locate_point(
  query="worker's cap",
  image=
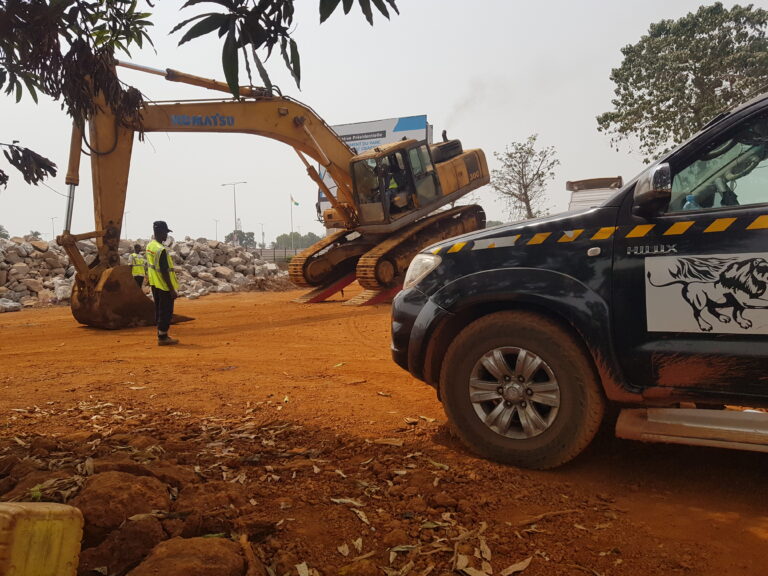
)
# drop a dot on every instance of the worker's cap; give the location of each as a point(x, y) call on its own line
point(161, 226)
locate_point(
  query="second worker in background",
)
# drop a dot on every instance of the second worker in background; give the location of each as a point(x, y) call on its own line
point(162, 279)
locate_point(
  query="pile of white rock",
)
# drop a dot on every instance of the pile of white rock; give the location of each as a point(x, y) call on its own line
point(34, 272)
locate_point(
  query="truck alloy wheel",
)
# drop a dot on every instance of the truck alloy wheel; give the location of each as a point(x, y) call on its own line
point(514, 392)
point(520, 389)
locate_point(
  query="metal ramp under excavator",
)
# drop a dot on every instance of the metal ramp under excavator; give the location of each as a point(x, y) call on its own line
point(370, 297)
point(367, 297)
point(735, 429)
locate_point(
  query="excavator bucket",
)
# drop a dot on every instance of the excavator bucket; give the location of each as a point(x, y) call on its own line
point(114, 302)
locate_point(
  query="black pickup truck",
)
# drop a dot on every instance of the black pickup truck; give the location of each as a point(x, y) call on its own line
point(654, 302)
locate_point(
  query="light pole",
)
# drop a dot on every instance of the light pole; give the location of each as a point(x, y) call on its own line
point(234, 202)
point(53, 229)
point(125, 224)
point(217, 228)
point(263, 244)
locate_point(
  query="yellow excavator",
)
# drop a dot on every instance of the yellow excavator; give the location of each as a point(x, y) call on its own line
point(383, 211)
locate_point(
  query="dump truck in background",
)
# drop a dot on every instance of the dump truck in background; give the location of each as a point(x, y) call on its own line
point(592, 192)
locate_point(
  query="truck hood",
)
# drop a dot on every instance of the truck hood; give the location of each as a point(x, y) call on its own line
point(579, 219)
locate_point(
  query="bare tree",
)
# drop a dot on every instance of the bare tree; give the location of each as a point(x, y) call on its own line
point(521, 180)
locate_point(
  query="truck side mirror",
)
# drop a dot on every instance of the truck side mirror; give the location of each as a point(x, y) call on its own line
point(653, 191)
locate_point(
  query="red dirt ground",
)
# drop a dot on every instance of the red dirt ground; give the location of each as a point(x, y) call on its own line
point(337, 460)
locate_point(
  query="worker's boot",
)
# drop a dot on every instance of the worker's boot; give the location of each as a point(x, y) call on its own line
point(167, 341)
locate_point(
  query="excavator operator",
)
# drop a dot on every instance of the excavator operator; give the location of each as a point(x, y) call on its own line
point(397, 184)
point(162, 279)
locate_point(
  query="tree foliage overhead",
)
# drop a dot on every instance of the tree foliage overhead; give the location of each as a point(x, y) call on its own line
point(684, 72)
point(521, 180)
point(50, 47)
point(249, 26)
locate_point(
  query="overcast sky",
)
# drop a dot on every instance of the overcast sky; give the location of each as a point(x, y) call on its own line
point(490, 72)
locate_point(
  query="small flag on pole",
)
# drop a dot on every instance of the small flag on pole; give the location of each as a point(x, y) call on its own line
point(294, 201)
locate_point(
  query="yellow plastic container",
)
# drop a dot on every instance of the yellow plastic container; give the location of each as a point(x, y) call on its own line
point(39, 539)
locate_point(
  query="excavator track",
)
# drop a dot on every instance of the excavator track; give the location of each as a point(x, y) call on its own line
point(329, 259)
point(388, 261)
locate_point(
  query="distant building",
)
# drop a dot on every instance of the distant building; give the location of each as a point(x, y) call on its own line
point(592, 192)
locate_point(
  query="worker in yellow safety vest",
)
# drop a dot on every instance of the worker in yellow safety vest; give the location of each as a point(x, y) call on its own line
point(162, 280)
point(138, 265)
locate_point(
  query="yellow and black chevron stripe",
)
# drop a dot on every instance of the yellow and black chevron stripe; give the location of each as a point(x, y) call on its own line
point(667, 231)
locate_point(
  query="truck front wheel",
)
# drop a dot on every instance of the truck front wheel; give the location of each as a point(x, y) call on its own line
point(517, 388)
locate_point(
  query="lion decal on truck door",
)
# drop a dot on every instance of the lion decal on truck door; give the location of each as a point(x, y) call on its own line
point(718, 289)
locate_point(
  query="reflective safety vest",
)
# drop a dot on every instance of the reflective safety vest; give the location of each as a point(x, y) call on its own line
point(154, 253)
point(138, 264)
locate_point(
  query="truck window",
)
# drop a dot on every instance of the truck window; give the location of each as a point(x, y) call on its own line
point(732, 171)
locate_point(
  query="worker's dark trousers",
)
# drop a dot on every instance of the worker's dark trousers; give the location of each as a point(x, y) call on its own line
point(163, 310)
point(139, 280)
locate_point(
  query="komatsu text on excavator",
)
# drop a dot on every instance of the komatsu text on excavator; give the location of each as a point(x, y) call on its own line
point(383, 211)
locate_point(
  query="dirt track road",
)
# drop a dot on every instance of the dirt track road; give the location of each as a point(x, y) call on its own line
point(622, 508)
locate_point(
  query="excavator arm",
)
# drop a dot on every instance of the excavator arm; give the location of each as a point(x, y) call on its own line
point(104, 294)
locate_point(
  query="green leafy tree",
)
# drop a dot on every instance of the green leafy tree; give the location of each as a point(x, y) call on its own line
point(521, 180)
point(283, 241)
point(50, 47)
point(684, 72)
point(35, 235)
point(245, 239)
point(4, 232)
point(492, 223)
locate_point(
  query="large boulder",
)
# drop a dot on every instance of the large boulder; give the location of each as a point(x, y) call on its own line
point(7, 305)
point(194, 557)
point(110, 498)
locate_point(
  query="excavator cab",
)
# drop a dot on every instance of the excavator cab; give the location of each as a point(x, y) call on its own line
point(392, 181)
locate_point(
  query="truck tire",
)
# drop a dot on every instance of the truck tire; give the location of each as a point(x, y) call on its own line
point(519, 389)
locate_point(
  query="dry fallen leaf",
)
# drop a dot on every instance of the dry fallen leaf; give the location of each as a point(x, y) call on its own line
point(360, 514)
point(343, 549)
point(350, 501)
point(516, 568)
point(462, 561)
point(389, 441)
point(469, 571)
